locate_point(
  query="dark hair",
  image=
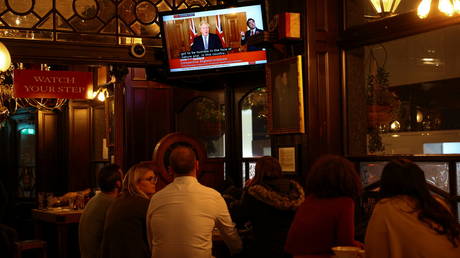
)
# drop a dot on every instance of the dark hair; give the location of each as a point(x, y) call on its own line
point(250, 19)
point(266, 168)
point(182, 159)
point(333, 176)
point(403, 177)
point(108, 177)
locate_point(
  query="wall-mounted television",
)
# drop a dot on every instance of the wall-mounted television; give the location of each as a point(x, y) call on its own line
point(213, 38)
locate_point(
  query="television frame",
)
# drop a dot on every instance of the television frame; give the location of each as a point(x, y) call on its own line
point(211, 71)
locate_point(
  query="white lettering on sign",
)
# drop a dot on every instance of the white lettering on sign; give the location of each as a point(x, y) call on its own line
point(58, 89)
point(55, 79)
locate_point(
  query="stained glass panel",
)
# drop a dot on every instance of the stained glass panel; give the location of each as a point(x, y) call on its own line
point(117, 18)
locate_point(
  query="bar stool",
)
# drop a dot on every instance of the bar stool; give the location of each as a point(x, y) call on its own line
point(29, 245)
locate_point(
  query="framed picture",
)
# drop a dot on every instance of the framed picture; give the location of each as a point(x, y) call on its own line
point(285, 96)
point(287, 156)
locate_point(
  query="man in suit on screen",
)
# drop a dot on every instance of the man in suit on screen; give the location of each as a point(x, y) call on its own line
point(206, 41)
point(253, 30)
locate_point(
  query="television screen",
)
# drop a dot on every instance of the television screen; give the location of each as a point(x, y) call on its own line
point(208, 39)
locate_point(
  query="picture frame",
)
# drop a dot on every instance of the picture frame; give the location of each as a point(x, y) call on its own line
point(287, 157)
point(285, 96)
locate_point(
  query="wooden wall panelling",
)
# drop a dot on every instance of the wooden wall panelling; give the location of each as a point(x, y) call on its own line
point(8, 165)
point(149, 117)
point(79, 145)
point(50, 158)
point(323, 91)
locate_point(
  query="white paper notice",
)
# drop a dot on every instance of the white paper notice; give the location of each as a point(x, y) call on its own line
point(287, 159)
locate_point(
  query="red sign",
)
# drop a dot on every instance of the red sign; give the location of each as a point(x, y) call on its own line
point(52, 84)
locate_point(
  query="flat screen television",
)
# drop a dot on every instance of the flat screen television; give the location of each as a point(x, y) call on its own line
point(214, 38)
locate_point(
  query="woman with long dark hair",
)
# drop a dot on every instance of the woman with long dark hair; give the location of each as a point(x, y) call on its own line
point(408, 222)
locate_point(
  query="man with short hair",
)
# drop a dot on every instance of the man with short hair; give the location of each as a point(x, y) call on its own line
point(181, 217)
point(92, 219)
point(253, 30)
point(206, 41)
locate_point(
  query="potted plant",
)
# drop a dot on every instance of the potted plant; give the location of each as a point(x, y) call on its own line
point(382, 105)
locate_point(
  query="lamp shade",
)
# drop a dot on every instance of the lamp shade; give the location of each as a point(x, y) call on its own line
point(5, 58)
point(385, 6)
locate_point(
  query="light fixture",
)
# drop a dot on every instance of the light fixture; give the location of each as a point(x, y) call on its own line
point(385, 7)
point(446, 7)
point(101, 94)
point(5, 58)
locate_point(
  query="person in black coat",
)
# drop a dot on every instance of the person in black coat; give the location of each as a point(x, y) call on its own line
point(268, 203)
point(206, 41)
point(253, 30)
point(125, 231)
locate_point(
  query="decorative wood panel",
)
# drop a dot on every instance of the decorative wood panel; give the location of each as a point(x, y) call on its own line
point(50, 173)
point(79, 146)
point(149, 117)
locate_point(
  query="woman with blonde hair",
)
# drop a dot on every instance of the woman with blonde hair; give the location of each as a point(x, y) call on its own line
point(125, 232)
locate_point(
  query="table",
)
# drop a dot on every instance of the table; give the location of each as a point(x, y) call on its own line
point(61, 218)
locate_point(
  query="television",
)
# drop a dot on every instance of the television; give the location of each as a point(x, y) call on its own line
point(213, 38)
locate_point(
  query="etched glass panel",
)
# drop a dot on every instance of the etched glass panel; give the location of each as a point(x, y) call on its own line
point(64, 8)
point(458, 178)
point(42, 7)
point(252, 169)
point(371, 171)
point(20, 21)
point(146, 12)
point(118, 18)
point(86, 9)
point(436, 173)
point(21, 6)
point(26, 34)
point(76, 37)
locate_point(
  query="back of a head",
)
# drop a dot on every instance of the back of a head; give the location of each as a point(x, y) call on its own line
point(108, 177)
point(333, 176)
point(266, 168)
point(403, 177)
point(182, 160)
point(134, 175)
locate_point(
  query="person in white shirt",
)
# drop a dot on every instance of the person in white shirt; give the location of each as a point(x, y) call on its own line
point(181, 217)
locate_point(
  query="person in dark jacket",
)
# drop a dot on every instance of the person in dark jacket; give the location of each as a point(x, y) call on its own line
point(269, 204)
point(125, 231)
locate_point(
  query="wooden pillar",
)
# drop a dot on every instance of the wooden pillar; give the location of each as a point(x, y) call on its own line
point(322, 80)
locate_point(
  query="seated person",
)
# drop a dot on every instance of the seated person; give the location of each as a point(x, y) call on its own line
point(326, 218)
point(92, 219)
point(407, 222)
point(269, 203)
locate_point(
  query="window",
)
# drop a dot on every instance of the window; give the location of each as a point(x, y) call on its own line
point(255, 140)
point(409, 89)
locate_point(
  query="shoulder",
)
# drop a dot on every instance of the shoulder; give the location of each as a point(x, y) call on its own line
point(397, 203)
point(208, 190)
